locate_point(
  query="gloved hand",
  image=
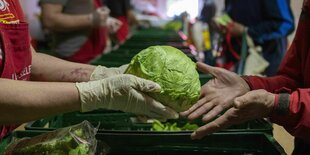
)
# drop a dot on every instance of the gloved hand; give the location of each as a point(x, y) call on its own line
point(113, 24)
point(253, 105)
point(102, 72)
point(218, 94)
point(100, 16)
point(125, 93)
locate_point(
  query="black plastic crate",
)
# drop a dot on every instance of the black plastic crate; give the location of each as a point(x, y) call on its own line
point(245, 143)
point(120, 122)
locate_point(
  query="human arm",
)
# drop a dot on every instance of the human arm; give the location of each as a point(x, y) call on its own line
point(54, 19)
point(49, 68)
point(23, 101)
point(290, 111)
point(218, 94)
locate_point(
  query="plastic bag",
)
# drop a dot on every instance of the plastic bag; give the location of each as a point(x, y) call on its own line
point(255, 63)
point(74, 140)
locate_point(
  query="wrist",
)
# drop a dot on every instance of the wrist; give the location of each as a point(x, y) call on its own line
point(94, 18)
point(98, 73)
point(281, 104)
point(89, 98)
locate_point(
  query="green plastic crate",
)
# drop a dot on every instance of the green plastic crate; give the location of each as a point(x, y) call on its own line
point(246, 143)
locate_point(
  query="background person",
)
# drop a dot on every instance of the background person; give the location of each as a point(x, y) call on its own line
point(284, 98)
point(78, 28)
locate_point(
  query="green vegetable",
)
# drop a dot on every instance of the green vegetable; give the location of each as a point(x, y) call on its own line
point(158, 126)
point(173, 71)
point(61, 146)
point(74, 140)
point(224, 20)
point(173, 25)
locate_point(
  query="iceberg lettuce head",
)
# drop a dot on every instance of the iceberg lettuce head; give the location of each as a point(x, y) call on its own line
point(174, 71)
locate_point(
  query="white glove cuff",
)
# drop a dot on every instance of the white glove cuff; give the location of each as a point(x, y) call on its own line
point(87, 98)
point(99, 73)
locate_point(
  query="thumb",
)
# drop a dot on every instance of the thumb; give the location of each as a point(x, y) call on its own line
point(241, 102)
point(208, 69)
point(146, 85)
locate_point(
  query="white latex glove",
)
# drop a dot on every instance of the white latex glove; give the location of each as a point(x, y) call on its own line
point(113, 24)
point(125, 93)
point(102, 72)
point(100, 16)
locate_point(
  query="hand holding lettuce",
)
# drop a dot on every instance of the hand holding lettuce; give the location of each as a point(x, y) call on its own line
point(173, 71)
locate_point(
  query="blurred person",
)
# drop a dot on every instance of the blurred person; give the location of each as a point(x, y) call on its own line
point(268, 23)
point(78, 28)
point(36, 85)
point(284, 98)
point(208, 11)
point(121, 10)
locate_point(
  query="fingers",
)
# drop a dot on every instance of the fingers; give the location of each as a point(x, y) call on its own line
point(123, 68)
point(145, 85)
point(165, 112)
point(153, 108)
point(214, 126)
point(208, 69)
point(194, 107)
point(244, 100)
point(113, 24)
point(213, 113)
point(204, 109)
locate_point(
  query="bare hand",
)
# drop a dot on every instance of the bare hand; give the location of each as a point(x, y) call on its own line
point(218, 94)
point(253, 105)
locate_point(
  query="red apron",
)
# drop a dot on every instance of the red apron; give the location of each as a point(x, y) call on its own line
point(94, 46)
point(17, 58)
point(122, 32)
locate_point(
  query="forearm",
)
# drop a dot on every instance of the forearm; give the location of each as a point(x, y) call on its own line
point(23, 101)
point(62, 22)
point(273, 84)
point(48, 68)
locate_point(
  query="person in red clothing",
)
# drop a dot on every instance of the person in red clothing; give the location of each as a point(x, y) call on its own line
point(77, 28)
point(122, 11)
point(284, 98)
point(35, 85)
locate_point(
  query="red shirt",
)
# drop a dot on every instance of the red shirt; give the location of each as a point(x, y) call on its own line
point(294, 78)
point(10, 13)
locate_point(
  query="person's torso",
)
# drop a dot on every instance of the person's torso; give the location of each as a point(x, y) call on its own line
point(251, 13)
point(66, 44)
point(247, 12)
point(15, 43)
point(15, 48)
point(302, 41)
point(117, 7)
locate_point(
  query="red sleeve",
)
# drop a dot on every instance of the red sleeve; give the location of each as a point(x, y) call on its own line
point(293, 79)
point(296, 121)
point(288, 77)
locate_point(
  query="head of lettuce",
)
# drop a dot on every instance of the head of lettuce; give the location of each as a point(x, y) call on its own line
point(173, 71)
